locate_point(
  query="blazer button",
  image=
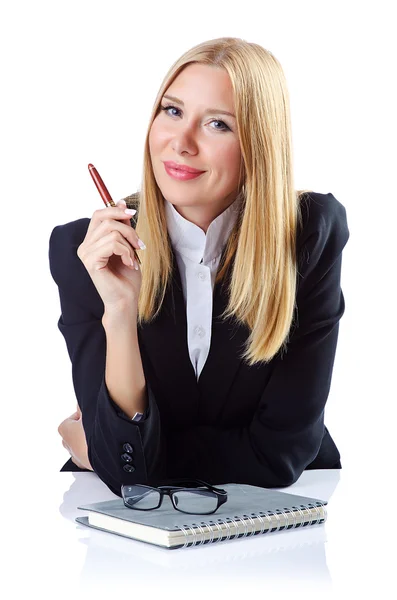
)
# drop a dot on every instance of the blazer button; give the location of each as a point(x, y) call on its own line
point(129, 468)
point(128, 448)
point(126, 458)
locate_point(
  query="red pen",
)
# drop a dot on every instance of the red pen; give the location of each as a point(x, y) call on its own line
point(103, 191)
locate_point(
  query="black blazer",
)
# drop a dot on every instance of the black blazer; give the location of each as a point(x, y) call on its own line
point(260, 425)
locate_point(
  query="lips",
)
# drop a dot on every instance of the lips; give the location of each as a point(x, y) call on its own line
point(179, 167)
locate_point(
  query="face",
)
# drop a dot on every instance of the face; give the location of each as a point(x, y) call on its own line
point(192, 131)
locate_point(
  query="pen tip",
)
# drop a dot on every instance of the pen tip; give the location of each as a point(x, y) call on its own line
point(90, 166)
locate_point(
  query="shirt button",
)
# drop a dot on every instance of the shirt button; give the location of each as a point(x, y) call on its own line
point(202, 276)
point(128, 448)
point(200, 331)
point(126, 457)
point(129, 468)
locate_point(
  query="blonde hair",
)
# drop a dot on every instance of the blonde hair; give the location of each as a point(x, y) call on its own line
point(263, 280)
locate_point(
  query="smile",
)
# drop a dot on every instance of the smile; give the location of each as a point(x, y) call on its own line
point(181, 175)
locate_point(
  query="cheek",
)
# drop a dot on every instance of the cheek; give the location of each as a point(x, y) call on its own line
point(157, 137)
point(229, 160)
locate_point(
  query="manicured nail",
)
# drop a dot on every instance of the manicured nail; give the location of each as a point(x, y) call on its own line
point(130, 211)
point(141, 244)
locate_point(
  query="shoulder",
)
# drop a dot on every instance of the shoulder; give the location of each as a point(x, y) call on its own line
point(324, 222)
point(71, 234)
point(64, 242)
point(67, 270)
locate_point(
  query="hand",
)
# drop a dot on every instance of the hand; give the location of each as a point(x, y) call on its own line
point(107, 251)
point(74, 440)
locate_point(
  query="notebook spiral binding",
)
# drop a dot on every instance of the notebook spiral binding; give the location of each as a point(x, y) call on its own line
point(289, 522)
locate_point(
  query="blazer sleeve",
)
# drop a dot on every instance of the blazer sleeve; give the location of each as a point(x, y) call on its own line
point(287, 429)
point(120, 451)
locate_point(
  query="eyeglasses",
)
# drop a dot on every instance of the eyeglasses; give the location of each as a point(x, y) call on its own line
point(192, 496)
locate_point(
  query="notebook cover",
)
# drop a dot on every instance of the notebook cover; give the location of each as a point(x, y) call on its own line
point(243, 500)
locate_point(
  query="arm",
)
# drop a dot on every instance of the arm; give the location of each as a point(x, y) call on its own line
point(81, 325)
point(124, 380)
point(287, 428)
point(124, 376)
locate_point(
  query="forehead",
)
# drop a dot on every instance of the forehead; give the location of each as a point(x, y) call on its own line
point(203, 84)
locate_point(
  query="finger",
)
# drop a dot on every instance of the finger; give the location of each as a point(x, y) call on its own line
point(113, 237)
point(110, 212)
point(77, 462)
point(98, 258)
point(62, 427)
point(108, 226)
point(101, 251)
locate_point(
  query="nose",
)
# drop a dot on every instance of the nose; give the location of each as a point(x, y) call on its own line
point(184, 140)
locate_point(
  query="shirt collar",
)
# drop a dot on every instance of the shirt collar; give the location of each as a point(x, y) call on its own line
point(189, 239)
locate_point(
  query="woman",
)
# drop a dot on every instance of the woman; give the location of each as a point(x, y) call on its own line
point(214, 359)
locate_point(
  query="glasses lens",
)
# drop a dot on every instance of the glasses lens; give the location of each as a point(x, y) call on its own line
point(141, 498)
point(198, 502)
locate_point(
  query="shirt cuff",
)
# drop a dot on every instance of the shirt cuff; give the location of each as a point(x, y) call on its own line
point(137, 418)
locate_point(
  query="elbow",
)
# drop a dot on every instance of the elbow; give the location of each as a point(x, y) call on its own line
point(288, 479)
point(284, 473)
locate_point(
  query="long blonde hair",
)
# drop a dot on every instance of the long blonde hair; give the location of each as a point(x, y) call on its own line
point(263, 280)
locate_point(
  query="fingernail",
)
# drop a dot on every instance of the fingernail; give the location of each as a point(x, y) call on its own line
point(123, 202)
point(141, 244)
point(130, 211)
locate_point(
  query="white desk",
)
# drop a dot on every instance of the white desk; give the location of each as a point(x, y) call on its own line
point(53, 555)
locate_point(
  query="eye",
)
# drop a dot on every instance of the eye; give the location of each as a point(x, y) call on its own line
point(169, 107)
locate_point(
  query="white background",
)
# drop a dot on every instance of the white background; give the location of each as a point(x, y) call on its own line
point(78, 82)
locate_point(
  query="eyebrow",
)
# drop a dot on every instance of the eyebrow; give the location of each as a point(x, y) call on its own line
point(209, 110)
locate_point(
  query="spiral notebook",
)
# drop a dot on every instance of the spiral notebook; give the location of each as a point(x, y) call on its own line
point(249, 510)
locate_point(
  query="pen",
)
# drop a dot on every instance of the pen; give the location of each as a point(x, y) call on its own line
point(103, 191)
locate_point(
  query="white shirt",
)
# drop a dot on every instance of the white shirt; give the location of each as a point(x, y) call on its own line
point(198, 255)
